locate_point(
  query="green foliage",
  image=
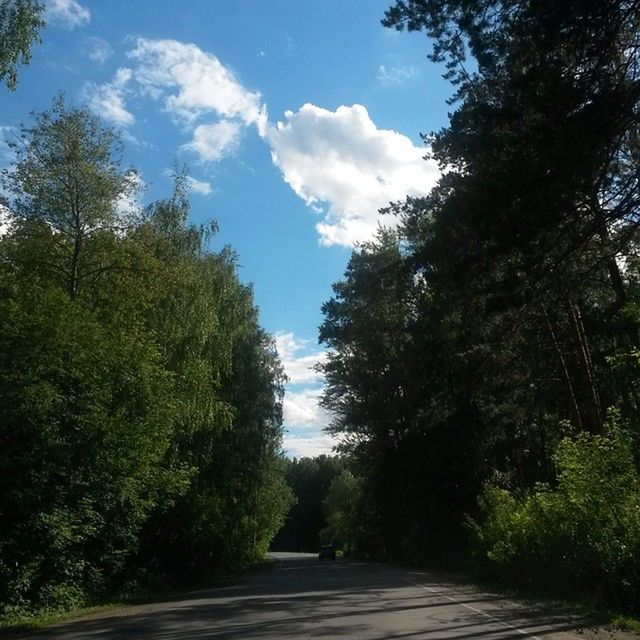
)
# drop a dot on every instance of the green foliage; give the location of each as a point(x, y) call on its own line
point(84, 429)
point(400, 397)
point(582, 535)
point(228, 389)
point(502, 314)
point(140, 401)
point(20, 24)
point(67, 186)
point(310, 480)
point(341, 508)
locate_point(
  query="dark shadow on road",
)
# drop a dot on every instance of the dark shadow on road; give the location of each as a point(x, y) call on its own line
point(300, 597)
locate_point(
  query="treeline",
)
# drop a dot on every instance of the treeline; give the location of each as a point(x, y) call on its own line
point(310, 480)
point(140, 401)
point(325, 496)
point(485, 357)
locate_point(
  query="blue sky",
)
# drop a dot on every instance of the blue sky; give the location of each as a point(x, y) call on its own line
point(298, 119)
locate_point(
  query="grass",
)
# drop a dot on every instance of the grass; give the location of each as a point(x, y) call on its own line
point(27, 622)
point(625, 623)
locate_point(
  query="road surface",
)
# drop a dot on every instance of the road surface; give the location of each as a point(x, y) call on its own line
point(300, 597)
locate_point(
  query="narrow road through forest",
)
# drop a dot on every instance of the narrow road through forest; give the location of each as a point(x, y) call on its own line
point(300, 597)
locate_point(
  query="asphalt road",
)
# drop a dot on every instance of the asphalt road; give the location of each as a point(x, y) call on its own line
point(300, 597)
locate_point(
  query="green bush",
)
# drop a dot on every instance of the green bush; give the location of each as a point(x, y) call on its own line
point(581, 536)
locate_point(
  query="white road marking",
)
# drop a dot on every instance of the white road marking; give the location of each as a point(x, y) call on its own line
point(474, 609)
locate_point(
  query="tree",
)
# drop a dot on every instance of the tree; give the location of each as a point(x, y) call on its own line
point(227, 395)
point(85, 422)
point(544, 142)
point(580, 535)
point(67, 186)
point(404, 398)
point(539, 207)
point(140, 426)
point(502, 310)
point(341, 511)
point(310, 480)
point(20, 24)
point(85, 419)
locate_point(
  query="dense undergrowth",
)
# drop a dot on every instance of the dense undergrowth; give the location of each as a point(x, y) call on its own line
point(579, 536)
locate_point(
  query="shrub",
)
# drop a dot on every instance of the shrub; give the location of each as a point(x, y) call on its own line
point(581, 537)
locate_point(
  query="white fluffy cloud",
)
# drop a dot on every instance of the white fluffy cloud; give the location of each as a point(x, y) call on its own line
point(212, 142)
point(193, 86)
point(304, 418)
point(308, 446)
point(69, 13)
point(298, 367)
point(302, 409)
point(193, 82)
point(97, 49)
point(199, 186)
point(341, 164)
point(107, 100)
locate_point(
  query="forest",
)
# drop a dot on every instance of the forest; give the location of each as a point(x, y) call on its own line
point(483, 361)
point(140, 401)
point(484, 355)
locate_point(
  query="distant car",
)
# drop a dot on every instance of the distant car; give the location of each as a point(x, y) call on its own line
point(327, 553)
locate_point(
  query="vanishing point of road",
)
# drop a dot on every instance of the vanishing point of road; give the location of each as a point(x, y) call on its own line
point(300, 597)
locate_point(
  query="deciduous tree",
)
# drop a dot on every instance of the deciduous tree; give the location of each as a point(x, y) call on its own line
point(20, 24)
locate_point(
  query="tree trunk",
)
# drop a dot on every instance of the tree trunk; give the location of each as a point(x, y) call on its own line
point(565, 370)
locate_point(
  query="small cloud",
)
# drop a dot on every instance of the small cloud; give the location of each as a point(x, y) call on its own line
point(107, 100)
point(5, 220)
point(388, 76)
point(97, 49)
point(201, 82)
point(302, 409)
point(129, 138)
point(212, 142)
point(308, 446)
point(300, 369)
point(199, 186)
point(68, 13)
point(194, 85)
point(346, 169)
point(59, 67)
point(128, 205)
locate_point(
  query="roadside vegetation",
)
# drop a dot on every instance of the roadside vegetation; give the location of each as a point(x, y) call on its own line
point(484, 353)
point(140, 401)
point(310, 480)
point(324, 512)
